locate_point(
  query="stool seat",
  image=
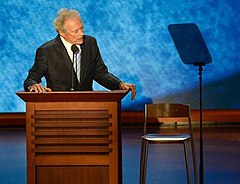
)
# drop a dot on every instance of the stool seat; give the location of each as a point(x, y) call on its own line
point(166, 138)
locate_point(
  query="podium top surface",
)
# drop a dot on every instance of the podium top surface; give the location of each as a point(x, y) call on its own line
point(76, 96)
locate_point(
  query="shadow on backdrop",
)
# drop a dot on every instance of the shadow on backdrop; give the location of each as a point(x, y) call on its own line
point(214, 94)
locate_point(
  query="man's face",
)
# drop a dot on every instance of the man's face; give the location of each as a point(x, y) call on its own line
point(74, 31)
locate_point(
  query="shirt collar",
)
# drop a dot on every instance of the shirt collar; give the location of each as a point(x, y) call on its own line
point(67, 44)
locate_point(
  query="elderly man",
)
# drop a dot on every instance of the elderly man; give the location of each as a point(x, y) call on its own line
point(71, 61)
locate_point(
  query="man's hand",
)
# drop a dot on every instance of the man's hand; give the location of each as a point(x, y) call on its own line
point(131, 87)
point(39, 88)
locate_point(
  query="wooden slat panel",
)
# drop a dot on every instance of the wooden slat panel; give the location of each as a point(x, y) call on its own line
point(50, 124)
point(71, 133)
point(82, 111)
point(70, 116)
point(92, 149)
point(54, 141)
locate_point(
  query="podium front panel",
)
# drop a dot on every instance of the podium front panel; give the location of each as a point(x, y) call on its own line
point(73, 142)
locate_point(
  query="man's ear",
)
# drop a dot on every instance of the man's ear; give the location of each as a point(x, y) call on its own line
point(62, 34)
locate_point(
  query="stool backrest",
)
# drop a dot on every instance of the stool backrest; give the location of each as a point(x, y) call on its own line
point(166, 110)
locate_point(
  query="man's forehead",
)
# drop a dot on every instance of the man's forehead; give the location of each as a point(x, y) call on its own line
point(73, 23)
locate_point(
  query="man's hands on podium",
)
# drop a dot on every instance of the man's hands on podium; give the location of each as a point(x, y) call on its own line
point(131, 87)
point(39, 88)
point(124, 86)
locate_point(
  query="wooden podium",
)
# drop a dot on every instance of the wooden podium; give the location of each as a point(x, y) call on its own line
point(73, 137)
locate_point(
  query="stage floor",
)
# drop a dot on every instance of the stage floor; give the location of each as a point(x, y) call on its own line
point(165, 164)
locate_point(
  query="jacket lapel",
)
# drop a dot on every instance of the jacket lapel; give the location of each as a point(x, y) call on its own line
point(66, 61)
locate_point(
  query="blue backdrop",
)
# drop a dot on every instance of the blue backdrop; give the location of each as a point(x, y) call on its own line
point(135, 44)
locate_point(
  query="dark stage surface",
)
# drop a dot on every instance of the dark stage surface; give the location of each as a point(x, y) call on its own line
point(166, 164)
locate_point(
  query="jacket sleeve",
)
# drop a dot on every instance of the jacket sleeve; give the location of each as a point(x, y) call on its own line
point(102, 75)
point(38, 69)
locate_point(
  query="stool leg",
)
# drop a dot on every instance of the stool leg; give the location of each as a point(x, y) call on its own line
point(143, 161)
point(186, 162)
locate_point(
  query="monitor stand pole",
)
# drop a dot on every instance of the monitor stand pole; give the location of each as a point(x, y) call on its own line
point(201, 166)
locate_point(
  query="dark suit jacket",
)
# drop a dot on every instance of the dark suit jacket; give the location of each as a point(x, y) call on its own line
point(52, 62)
